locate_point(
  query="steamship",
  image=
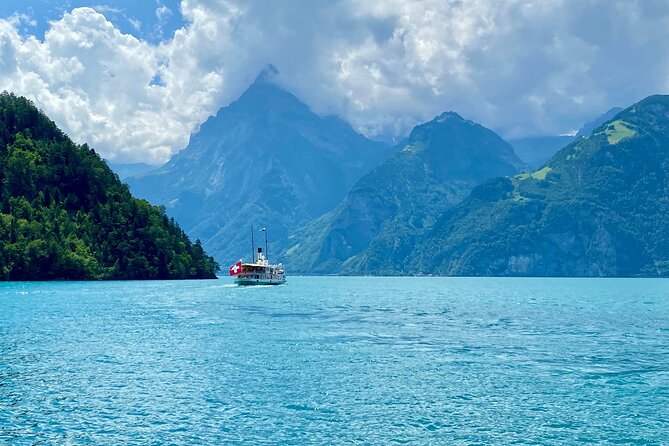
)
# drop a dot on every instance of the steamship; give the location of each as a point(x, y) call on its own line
point(259, 271)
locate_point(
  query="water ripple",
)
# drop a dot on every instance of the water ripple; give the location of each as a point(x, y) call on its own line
point(336, 361)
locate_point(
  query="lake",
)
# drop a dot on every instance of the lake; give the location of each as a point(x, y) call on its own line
point(336, 360)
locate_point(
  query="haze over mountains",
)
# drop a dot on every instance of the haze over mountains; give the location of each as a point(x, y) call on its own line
point(267, 160)
point(127, 170)
point(537, 150)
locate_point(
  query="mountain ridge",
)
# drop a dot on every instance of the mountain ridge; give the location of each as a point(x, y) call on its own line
point(387, 209)
point(598, 207)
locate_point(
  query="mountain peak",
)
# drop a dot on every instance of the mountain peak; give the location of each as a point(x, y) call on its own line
point(268, 75)
point(265, 158)
point(265, 95)
point(375, 226)
point(440, 123)
point(655, 104)
point(445, 116)
point(461, 149)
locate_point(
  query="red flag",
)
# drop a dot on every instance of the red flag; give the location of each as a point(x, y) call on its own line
point(236, 268)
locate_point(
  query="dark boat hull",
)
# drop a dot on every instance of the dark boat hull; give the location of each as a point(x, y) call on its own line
point(245, 281)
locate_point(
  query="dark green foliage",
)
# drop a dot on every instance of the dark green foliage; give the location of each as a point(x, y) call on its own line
point(65, 215)
point(599, 207)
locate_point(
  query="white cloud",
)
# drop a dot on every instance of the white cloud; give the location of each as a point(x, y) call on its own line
point(95, 82)
point(518, 66)
point(163, 12)
point(135, 23)
point(107, 9)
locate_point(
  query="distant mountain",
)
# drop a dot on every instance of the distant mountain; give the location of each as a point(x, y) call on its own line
point(127, 170)
point(375, 227)
point(64, 215)
point(599, 207)
point(264, 159)
point(537, 150)
point(590, 126)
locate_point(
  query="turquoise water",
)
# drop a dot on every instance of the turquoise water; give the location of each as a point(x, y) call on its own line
point(336, 360)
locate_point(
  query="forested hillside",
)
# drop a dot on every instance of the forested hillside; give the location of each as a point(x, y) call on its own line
point(599, 207)
point(65, 215)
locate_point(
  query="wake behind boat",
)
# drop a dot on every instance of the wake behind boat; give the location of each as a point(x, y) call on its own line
point(259, 271)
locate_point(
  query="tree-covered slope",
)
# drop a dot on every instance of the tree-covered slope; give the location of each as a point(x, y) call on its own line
point(265, 159)
point(599, 207)
point(65, 215)
point(375, 227)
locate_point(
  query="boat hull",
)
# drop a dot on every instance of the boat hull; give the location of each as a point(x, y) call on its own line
point(246, 281)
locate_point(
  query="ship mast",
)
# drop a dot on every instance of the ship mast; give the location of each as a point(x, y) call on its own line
point(265, 231)
point(253, 247)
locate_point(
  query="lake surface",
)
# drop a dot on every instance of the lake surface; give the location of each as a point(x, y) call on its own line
point(336, 360)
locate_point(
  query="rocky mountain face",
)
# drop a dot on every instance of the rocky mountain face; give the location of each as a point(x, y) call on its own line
point(599, 207)
point(267, 160)
point(375, 227)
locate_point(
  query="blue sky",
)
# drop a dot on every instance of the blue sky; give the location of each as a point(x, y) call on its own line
point(134, 79)
point(136, 17)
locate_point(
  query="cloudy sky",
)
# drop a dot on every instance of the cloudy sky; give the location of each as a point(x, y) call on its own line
point(134, 78)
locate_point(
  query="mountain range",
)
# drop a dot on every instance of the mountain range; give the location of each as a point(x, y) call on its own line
point(451, 199)
point(376, 225)
point(266, 159)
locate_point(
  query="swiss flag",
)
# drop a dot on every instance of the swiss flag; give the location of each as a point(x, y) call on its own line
point(236, 268)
